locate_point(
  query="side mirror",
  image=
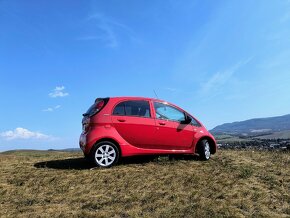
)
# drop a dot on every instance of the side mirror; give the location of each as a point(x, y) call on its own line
point(187, 120)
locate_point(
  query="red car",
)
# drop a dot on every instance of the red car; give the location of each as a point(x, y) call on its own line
point(128, 126)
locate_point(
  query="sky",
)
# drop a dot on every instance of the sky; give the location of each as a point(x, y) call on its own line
point(222, 61)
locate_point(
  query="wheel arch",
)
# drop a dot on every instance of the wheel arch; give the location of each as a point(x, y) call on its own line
point(107, 140)
point(212, 144)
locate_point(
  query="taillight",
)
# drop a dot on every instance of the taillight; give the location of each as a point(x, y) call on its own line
point(86, 124)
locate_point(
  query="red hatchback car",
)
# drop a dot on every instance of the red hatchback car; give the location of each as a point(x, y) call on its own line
point(128, 126)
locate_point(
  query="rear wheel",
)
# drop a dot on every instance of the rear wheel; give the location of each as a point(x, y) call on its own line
point(105, 154)
point(204, 150)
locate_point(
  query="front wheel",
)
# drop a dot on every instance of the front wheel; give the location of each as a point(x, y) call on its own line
point(204, 150)
point(105, 154)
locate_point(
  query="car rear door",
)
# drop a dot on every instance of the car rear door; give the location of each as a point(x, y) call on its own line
point(133, 121)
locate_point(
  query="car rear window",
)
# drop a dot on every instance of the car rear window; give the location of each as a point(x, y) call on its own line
point(96, 107)
point(133, 108)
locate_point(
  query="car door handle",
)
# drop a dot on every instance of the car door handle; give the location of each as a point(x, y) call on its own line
point(121, 120)
point(162, 123)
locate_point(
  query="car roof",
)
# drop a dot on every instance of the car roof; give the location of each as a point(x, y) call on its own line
point(148, 99)
point(135, 98)
point(144, 98)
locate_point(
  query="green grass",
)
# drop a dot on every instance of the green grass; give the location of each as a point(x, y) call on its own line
point(62, 184)
point(276, 135)
point(230, 138)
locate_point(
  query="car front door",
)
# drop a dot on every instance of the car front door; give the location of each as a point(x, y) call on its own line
point(134, 123)
point(170, 132)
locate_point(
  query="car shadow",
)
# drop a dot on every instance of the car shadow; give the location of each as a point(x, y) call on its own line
point(138, 160)
point(83, 164)
point(65, 164)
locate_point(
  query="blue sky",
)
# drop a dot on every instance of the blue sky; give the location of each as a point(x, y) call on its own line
point(222, 61)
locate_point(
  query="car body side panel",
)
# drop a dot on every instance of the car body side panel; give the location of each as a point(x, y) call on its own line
point(105, 132)
point(173, 135)
point(137, 131)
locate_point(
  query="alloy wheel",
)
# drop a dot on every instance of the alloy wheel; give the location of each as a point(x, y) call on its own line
point(207, 150)
point(105, 155)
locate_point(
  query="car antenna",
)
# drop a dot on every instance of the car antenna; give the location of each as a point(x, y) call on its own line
point(155, 94)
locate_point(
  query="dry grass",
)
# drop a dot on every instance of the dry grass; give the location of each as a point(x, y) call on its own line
point(60, 184)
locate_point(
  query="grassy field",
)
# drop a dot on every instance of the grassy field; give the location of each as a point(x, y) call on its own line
point(230, 138)
point(62, 184)
point(277, 135)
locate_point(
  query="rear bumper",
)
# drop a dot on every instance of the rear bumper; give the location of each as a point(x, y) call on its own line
point(88, 139)
point(83, 142)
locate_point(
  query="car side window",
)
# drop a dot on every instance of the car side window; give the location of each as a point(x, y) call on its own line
point(120, 109)
point(133, 108)
point(194, 122)
point(167, 112)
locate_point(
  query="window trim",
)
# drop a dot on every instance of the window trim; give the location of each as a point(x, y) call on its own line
point(125, 115)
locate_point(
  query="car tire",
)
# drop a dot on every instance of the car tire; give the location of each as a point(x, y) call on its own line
point(203, 150)
point(105, 154)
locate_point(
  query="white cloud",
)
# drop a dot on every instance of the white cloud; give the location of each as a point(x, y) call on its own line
point(219, 79)
point(109, 29)
point(48, 109)
point(171, 89)
point(21, 133)
point(51, 109)
point(177, 91)
point(109, 33)
point(58, 92)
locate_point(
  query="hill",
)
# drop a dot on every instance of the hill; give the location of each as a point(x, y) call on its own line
point(254, 127)
point(63, 184)
point(275, 135)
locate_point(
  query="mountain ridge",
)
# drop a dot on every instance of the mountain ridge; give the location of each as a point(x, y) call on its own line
point(255, 125)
